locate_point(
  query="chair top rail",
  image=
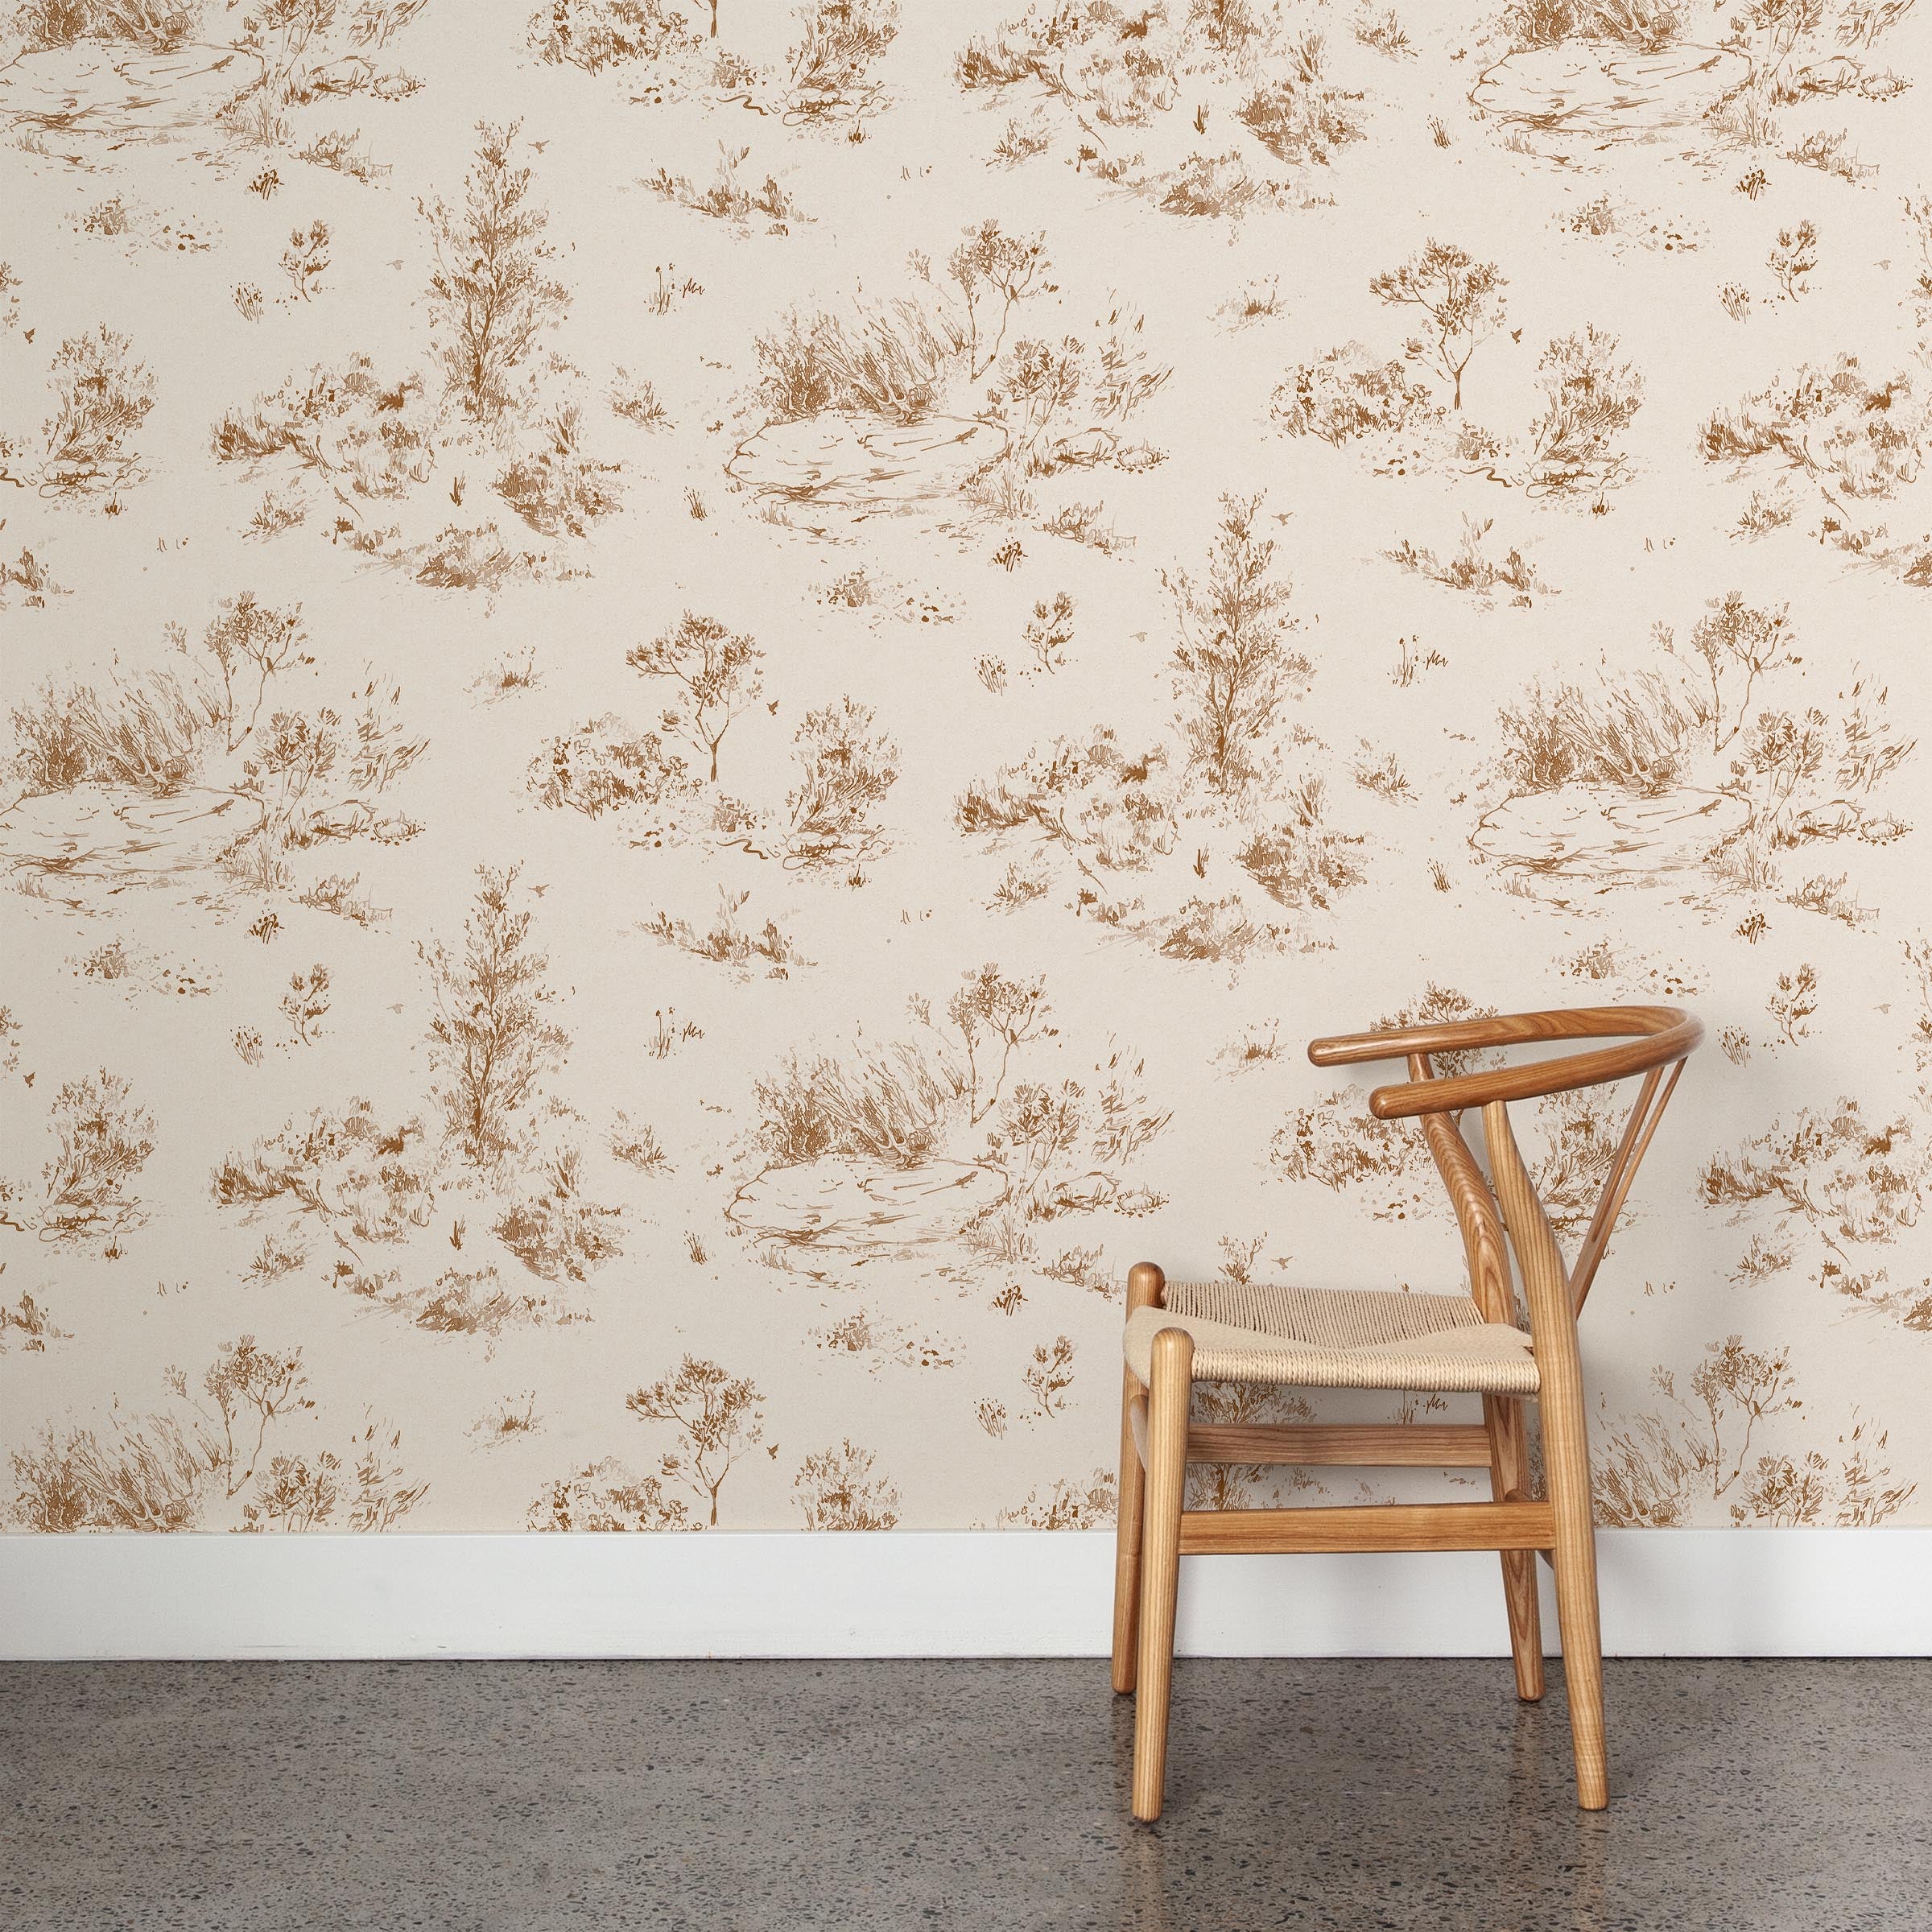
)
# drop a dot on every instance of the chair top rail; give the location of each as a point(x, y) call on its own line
point(1654, 1037)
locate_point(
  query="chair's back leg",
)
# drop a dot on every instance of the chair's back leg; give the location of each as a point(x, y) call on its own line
point(1503, 1416)
point(1144, 1283)
point(1565, 1449)
point(1169, 1393)
point(1509, 1482)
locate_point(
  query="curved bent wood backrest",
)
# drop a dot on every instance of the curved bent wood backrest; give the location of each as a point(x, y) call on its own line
point(1665, 1037)
point(1661, 1034)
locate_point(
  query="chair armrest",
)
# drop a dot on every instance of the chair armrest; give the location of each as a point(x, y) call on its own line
point(1662, 1033)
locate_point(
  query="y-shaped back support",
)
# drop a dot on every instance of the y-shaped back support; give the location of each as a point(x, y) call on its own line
point(1660, 1039)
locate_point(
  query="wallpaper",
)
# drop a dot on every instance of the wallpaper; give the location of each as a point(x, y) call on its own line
point(701, 698)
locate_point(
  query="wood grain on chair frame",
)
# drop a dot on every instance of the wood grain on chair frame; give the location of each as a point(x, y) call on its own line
point(1499, 1215)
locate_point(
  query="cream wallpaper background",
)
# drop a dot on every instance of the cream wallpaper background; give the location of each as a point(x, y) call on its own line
point(703, 698)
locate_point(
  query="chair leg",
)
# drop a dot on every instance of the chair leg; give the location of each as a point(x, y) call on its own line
point(1567, 1471)
point(1145, 1282)
point(1509, 1482)
point(1168, 1396)
point(1127, 1546)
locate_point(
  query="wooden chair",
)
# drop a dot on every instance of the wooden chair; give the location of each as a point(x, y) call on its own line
point(1389, 1338)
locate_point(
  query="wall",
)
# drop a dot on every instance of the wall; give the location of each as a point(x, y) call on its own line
point(699, 723)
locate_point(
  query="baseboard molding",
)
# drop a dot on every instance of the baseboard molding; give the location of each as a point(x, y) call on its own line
point(1665, 1592)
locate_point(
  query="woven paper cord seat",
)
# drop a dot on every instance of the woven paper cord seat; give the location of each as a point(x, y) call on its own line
point(1320, 1338)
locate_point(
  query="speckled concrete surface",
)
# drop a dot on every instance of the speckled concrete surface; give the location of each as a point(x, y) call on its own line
point(843, 1796)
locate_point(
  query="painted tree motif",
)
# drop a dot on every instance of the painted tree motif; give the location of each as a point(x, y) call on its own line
point(491, 1039)
point(717, 670)
point(1462, 298)
point(718, 1418)
point(492, 295)
point(1233, 670)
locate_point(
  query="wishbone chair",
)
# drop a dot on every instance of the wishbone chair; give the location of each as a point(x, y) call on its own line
point(1468, 1344)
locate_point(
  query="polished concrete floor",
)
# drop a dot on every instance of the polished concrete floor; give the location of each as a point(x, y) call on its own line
point(846, 1796)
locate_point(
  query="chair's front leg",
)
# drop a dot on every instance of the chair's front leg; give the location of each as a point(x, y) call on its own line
point(1170, 1392)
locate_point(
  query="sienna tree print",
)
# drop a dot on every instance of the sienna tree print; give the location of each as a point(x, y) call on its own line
point(491, 294)
point(1460, 300)
point(1233, 670)
point(491, 1038)
point(716, 669)
point(718, 1419)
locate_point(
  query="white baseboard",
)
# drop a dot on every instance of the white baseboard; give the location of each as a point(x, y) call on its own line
point(1666, 1593)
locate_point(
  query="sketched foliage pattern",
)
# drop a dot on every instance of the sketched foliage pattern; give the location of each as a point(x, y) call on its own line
point(699, 702)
